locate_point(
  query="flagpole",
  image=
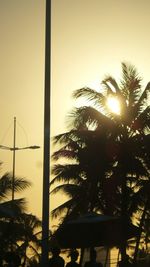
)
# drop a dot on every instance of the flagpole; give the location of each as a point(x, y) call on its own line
point(46, 153)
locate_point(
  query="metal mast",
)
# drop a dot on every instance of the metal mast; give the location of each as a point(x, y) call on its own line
point(46, 155)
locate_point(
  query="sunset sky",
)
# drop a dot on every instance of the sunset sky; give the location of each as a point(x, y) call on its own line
point(90, 38)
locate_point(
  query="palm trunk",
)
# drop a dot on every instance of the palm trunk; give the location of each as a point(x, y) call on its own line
point(25, 258)
point(140, 232)
point(81, 256)
point(118, 257)
point(124, 218)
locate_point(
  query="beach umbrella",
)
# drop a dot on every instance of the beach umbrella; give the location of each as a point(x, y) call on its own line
point(93, 230)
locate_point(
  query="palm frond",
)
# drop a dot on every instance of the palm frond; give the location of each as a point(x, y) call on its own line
point(144, 95)
point(12, 208)
point(131, 82)
point(62, 209)
point(21, 184)
point(84, 117)
point(30, 221)
point(64, 153)
point(5, 185)
point(69, 190)
point(111, 85)
point(63, 138)
point(66, 173)
point(96, 98)
point(142, 122)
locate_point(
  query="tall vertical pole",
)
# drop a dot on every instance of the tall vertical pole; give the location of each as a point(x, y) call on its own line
point(14, 158)
point(46, 155)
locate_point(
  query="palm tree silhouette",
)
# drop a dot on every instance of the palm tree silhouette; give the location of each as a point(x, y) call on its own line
point(30, 238)
point(107, 154)
point(83, 178)
point(18, 230)
point(10, 210)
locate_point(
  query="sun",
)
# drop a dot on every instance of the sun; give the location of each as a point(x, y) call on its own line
point(113, 105)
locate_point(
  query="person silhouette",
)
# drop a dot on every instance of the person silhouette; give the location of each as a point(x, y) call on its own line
point(92, 262)
point(74, 256)
point(56, 260)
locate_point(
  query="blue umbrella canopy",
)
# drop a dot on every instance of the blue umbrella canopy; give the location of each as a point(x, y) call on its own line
point(91, 230)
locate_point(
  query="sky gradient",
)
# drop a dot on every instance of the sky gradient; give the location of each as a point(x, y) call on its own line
point(90, 38)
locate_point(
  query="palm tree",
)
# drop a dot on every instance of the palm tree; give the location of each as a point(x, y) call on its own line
point(18, 230)
point(110, 151)
point(29, 237)
point(20, 184)
point(83, 171)
point(10, 210)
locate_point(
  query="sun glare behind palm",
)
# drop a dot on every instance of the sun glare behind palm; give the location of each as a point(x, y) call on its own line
point(113, 105)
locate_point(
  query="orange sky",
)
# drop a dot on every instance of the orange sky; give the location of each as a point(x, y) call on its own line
point(90, 38)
